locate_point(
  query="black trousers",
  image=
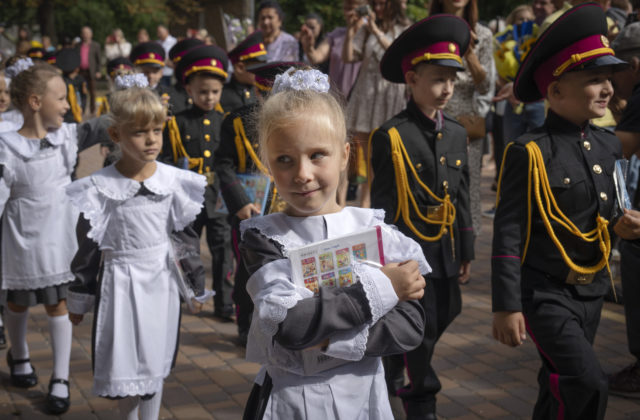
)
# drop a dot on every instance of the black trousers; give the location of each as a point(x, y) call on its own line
point(629, 263)
point(563, 327)
point(244, 304)
point(442, 302)
point(219, 242)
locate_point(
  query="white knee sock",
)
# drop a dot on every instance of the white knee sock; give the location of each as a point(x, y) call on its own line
point(60, 329)
point(17, 330)
point(129, 407)
point(150, 409)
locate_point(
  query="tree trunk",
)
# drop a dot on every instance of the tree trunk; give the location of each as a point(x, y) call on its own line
point(47, 21)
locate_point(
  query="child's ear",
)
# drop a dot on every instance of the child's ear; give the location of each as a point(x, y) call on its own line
point(34, 102)
point(634, 62)
point(187, 87)
point(410, 77)
point(345, 156)
point(114, 134)
point(554, 91)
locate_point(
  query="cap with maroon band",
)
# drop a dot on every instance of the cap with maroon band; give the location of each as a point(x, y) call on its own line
point(251, 48)
point(148, 54)
point(118, 63)
point(576, 41)
point(182, 47)
point(266, 73)
point(439, 39)
point(203, 59)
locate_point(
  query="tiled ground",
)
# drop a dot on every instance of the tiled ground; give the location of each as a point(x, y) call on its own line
point(481, 378)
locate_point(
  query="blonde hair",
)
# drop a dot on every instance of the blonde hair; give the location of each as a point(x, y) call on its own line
point(29, 82)
point(515, 12)
point(287, 108)
point(136, 106)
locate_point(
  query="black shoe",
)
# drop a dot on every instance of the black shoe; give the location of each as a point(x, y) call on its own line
point(18, 380)
point(57, 405)
point(225, 314)
point(243, 336)
point(3, 340)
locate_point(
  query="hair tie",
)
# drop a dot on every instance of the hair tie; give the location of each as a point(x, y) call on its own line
point(128, 81)
point(294, 79)
point(18, 67)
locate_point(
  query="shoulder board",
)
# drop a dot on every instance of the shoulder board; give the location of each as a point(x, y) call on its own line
point(603, 129)
point(532, 135)
point(395, 121)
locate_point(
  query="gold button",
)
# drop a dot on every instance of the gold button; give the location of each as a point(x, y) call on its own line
point(439, 136)
point(418, 165)
point(443, 160)
point(189, 101)
point(206, 122)
point(207, 153)
point(207, 169)
point(247, 94)
point(566, 181)
point(207, 137)
point(188, 137)
point(458, 162)
point(603, 195)
point(587, 145)
point(255, 145)
point(445, 183)
point(597, 169)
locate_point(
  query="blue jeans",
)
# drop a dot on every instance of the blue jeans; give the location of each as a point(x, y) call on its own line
point(515, 125)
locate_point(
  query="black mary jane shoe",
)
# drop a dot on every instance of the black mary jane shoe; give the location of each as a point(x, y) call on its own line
point(18, 380)
point(57, 405)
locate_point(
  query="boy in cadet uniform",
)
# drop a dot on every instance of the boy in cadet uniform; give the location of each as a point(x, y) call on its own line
point(240, 89)
point(179, 98)
point(627, 84)
point(68, 61)
point(421, 180)
point(556, 209)
point(148, 58)
point(190, 141)
point(239, 153)
point(119, 66)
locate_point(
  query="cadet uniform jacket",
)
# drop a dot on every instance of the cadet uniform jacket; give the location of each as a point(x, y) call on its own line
point(200, 136)
point(236, 94)
point(440, 158)
point(230, 155)
point(579, 162)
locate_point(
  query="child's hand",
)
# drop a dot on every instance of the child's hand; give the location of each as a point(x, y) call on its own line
point(247, 211)
point(75, 318)
point(628, 226)
point(196, 306)
point(405, 279)
point(508, 328)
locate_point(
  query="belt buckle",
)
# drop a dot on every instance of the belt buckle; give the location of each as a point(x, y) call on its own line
point(578, 278)
point(211, 176)
point(435, 212)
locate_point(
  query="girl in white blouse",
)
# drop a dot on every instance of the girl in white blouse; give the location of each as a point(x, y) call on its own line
point(302, 138)
point(134, 227)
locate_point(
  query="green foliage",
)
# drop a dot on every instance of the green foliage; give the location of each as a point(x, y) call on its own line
point(491, 9)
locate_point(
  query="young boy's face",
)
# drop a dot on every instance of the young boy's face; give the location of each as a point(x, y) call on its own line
point(204, 90)
point(153, 75)
point(431, 86)
point(581, 95)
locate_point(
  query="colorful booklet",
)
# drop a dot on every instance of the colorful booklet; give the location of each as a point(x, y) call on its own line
point(257, 188)
point(329, 263)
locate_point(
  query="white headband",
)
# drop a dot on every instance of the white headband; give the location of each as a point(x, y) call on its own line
point(131, 80)
point(18, 67)
point(293, 79)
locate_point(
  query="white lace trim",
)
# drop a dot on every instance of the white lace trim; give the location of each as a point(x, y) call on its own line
point(188, 199)
point(21, 283)
point(368, 284)
point(84, 195)
point(79, 303)
point(127, 387)
point(349, 345)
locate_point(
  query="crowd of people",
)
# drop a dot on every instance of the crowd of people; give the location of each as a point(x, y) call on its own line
point(263, 144)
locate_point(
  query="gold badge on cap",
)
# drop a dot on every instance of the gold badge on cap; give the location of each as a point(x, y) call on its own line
point(452, 47)
point(214, 63)
point(605, 40)
point(152, 56)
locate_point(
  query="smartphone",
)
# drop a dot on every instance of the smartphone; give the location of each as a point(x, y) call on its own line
point(363, 10)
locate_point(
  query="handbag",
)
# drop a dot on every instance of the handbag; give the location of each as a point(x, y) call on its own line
point(475, 126)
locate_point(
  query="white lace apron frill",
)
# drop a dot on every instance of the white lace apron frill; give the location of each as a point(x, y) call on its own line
point(38, 232)
point(273, 294)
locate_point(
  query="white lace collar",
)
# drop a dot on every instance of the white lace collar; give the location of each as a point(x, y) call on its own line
point(292, 232)
point(112, 184)
point(27, 147)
